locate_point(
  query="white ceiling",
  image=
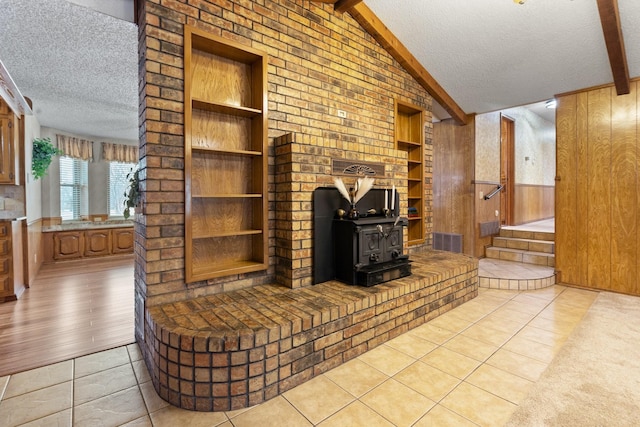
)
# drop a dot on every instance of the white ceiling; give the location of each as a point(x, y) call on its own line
point(493, 54)
point(79, 66)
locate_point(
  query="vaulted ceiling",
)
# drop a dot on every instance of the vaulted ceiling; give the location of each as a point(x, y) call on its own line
point(79, 66)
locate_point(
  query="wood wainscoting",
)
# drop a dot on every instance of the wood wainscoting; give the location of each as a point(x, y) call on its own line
point(533, 203)
point(598, 189)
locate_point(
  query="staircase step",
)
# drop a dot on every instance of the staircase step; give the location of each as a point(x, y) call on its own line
point(533, 235)
point(519, 255)
point(544, 246)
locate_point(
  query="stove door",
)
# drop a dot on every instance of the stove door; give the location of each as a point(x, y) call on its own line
point(371, 246)
point(393, 242)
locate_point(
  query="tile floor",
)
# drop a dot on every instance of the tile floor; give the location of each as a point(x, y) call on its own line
point(470, 366)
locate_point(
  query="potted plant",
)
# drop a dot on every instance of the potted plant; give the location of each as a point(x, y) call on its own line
point(43, 152)
point(132, 195)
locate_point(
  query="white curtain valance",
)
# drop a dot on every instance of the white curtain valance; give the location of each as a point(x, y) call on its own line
point(119, 153)
point(75, 147)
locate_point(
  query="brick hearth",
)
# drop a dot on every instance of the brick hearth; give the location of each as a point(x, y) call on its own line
point(236, 349)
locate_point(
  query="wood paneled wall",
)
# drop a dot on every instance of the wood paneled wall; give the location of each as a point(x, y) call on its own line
point(598, 189)
point(453, 172)
point(533, 203)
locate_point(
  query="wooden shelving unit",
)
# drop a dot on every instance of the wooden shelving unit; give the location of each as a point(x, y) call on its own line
point(225, 157)
point(410, 138)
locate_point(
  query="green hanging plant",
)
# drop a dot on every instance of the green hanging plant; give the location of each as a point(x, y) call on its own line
point(132, 195)
point(43, 152)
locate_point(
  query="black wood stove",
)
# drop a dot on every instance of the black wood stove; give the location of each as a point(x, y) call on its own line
point(369, 251)
point(364, 251)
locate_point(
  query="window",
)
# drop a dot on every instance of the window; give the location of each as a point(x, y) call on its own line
point(118, 186)
point(74, 193)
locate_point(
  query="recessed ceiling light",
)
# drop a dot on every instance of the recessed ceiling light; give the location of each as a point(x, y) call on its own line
point(552, 103)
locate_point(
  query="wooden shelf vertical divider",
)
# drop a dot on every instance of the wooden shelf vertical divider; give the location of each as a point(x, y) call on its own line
point(225, 95)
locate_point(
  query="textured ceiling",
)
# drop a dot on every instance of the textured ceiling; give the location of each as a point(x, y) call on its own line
point(78, 66)
point(493, 54)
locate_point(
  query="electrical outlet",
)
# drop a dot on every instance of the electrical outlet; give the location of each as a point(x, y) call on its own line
point(497, 213)
point(481, 195)
point(342, 114)
point(97, 219)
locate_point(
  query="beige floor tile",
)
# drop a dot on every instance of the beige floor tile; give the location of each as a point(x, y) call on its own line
point(171, 416)
point(501, 383)
point(450, 322)
point(451, 362)
point(151, 398)
point(559, 327)
point(276, 412)
point(524, 307)
point(543, 336)
point(140, 422)
point(517, 364)
point(470, 347)
point(498, 293)
point(487, 335)
point(305, 398)
point(59, 419)
point(548, 293)
point(112, 410)
point(386, 359)
point(412, 345)
point(434, 334)
point(505, 325)
point(134, 352)
point(36, 404)
point(470, 311)
point(35, 379)
point(3, 385)
point(398, 403)
point(103, 383)
point(427, 380)
point(478, 405)
point(356, 377)
point(100, 361)
point(356, 415)
point(505, 313)
point(535, 350)
point(439, 416)
point(141, 371)
point(531, 300)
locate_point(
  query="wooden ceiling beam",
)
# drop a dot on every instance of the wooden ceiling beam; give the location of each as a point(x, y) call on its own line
point(370, 22)
point(610, 20)
point(342, 6)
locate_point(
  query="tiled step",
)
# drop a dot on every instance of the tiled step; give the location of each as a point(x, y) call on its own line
point(498, 274)
point(519, 255)
point(545, 246)
point(532, 235)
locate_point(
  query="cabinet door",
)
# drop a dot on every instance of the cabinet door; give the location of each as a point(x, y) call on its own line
point(121, 241)
point(67, 245)
point(97, 242)
point(7, 174)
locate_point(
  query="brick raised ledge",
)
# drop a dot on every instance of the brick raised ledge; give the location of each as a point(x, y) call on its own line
point(233, 350)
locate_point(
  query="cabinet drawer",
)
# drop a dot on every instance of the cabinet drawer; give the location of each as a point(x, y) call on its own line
point(4, 229)
point(5, 247)
point(5, 265)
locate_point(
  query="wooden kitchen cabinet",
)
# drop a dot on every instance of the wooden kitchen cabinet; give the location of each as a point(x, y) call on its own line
point(97, 242)
point(9, 152)
point(121, 241)
point(68, 245)
point(11, 271)
point(77, 244)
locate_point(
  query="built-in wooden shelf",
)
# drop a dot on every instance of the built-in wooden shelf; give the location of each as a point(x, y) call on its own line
point(410, 138)
point(225, 157)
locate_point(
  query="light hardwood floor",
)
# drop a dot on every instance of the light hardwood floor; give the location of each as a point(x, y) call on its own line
point(73, 308)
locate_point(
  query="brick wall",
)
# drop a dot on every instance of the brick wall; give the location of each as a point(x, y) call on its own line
point(319, 62)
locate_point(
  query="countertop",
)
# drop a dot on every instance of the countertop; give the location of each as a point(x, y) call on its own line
point(88, 225)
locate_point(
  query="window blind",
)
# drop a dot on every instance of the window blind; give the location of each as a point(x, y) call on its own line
point(74, 193)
